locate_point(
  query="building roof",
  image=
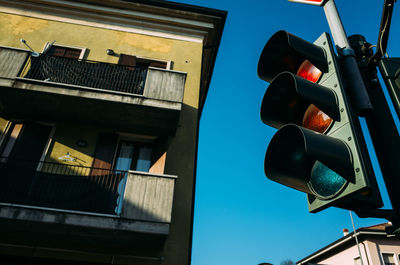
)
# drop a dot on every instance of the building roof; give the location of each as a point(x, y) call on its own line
point(378, 227)
point(346, 240)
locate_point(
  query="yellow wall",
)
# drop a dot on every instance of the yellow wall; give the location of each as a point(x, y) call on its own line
point(186, 57)
point(65, 141)
point(3, 125)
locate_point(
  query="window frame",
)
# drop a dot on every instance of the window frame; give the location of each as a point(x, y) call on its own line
point(168, 62)
point(7, 147)
point(5, 134)
point(395, 257)
point(143, 59)
point(83, 49)
point(47, 146)
point(138, 141)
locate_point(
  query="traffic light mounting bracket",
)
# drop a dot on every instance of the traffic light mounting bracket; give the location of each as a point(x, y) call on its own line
point(361, 163)
point(384, 134)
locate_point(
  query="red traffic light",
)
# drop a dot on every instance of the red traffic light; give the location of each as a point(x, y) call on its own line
point(289, 96)
point(308, 71)
point(286, 52)
point(314, 118)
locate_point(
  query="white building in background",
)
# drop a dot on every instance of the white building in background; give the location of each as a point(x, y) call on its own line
point(375, 246)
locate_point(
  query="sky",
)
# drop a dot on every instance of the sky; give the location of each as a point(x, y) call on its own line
point(241, 217)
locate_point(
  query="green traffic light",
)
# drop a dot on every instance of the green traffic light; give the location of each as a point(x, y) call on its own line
point(325, 182)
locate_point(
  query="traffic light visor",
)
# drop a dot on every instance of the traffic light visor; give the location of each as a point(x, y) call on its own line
point(289, 96)
point(286, 52)
point(308, 161)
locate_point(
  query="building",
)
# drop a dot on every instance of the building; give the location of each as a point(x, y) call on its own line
point(376, 248)
point(100, 102)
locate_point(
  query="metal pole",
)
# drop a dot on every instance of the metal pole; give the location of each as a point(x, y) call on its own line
point(336, 25)
point(357, 89)
point(355, 236)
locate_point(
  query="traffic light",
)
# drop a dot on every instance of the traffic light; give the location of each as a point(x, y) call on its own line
point(319, 148)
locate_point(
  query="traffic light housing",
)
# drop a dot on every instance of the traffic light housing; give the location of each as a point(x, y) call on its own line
point(319, 148)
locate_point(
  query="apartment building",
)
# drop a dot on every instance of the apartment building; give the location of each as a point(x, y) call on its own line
point(100, 102)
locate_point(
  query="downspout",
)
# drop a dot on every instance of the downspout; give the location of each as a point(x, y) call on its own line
point(365, 251)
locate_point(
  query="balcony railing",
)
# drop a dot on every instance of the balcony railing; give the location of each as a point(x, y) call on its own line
point(112, 77)
point(129, 194)
point(60, 186)
point(57, 89)
point(152, 83)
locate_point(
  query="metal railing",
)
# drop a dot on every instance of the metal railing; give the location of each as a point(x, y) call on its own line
point(85, 73)
point(60, 186)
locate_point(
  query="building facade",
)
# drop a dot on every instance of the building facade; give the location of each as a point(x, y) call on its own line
point(100, 102)
point(375, 247)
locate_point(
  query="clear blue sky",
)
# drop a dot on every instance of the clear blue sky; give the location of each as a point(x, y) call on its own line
point(241, 217)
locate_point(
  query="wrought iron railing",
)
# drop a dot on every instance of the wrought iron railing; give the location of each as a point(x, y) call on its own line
point(85, 73)
point(61, 186)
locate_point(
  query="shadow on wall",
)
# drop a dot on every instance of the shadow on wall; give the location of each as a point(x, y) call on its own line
point(75, 141)
point(67, 187)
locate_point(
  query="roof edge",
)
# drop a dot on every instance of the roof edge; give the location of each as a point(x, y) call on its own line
point(362, 231)
point(181, 6)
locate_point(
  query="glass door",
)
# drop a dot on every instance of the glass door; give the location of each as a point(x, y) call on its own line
point(131, 156)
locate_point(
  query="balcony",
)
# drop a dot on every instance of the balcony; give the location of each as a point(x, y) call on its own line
point(147, 100)
point(93, 209)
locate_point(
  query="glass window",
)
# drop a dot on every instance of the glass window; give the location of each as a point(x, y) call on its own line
point(144, 159)
point(133, 156)
point(388, 259)
point(125, 156)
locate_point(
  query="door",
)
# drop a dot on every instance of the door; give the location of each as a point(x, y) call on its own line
point(131, 156)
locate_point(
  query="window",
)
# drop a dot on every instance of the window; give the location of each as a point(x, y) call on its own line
point(150, 63)
point(388, 259)
point(121, 152)
point(116, 152)
point(133, 156)
point(64, 51)
point(130, 60)
point(26, 141)
point(13, 134)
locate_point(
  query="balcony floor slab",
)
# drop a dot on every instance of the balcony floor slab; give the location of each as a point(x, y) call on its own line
point(22, 99)
point(43, 227)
